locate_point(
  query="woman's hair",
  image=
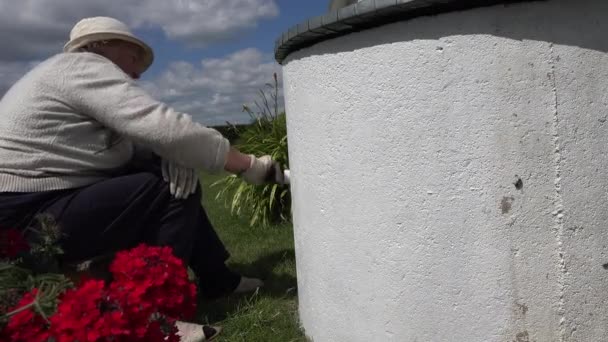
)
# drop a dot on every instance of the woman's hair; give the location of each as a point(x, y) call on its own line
point(94, 47)
point(97, 47)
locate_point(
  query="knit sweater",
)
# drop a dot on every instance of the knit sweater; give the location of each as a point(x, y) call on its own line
point(75, 118)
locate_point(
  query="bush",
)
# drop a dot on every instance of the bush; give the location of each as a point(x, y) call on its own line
point(230, 131)
point(267, 135)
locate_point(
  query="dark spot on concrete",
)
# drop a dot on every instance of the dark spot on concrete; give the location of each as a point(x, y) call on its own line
point(523, 308)
point(605, 266)
point(519, 184)
point(506, 204)
point(522, 337)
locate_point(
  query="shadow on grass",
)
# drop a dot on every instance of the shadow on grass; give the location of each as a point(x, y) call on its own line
point(277, 285)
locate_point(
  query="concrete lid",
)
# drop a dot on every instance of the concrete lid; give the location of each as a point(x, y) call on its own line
point(367, 14)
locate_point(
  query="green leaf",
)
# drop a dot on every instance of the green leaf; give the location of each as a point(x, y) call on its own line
point(272, 194)
point(267, 135)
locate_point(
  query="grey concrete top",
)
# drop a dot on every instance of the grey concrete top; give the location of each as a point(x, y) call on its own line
point(364, 15)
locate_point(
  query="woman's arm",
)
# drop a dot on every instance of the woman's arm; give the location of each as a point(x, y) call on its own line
point(237, 162)
point(96, 87)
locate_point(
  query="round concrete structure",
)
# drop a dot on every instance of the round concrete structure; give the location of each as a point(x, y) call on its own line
point(450, 177)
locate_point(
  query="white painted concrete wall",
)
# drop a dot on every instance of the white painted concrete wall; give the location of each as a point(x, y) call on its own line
point(405, 144)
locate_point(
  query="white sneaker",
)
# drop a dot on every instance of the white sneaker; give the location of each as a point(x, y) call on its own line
point(248, 285)
point(192, 332)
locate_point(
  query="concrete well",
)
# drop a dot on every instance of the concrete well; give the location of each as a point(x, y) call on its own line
point(449, 170)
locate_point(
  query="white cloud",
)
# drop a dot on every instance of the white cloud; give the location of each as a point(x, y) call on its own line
point(32, 29)
point(200, 22)
point(216, 90)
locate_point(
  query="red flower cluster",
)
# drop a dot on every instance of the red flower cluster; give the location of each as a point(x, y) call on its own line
point(88, 313)
point(149, 290)
point(26, 325)
point(12, 243)
point(148, 279)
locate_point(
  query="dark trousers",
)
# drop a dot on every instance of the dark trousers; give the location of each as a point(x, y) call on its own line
point(126, 210)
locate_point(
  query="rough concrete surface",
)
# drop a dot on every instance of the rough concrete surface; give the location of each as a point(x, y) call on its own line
point(450, 177)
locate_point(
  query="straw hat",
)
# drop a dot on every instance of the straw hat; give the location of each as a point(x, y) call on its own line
point(95, 29)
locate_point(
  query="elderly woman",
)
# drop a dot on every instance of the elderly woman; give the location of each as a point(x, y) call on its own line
point(81, 141)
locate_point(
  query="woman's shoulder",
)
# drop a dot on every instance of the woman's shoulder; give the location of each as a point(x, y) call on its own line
point(78, 65)
point(72, 58)
point(60, 73)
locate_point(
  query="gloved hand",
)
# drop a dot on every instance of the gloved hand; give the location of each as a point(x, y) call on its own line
point(263, 170)
point(182, 180)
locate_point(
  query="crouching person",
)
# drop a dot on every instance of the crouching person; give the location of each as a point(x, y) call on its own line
point(71, 131)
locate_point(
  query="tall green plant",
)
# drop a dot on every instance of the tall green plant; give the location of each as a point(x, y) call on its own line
point(267, 135)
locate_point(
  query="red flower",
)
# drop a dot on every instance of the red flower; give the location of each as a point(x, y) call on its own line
point(27, 325)
point(150, 285)
point(12, 243)
point(152, 280)
point(87, 314)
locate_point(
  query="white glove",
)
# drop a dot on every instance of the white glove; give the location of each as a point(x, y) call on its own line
point(182, 180)
point(263, 170)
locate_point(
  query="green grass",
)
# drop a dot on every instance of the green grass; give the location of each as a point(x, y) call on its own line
point(266, 253)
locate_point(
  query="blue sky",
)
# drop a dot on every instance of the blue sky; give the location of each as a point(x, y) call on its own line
point(212, 56)
point(262, 37)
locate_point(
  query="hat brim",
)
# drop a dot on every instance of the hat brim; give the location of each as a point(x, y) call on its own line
point(81, 41)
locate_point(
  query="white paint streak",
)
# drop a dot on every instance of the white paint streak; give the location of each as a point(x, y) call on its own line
point(559, 203)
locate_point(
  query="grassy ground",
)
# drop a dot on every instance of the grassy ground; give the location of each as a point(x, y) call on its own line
point(267, 253)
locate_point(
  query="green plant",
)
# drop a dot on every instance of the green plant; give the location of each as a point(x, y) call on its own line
point(16, 280)
point(267, 135)
point(34, 268)
point(230, 131)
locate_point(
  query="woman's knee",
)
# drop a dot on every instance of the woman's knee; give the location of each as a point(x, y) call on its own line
point(198, 192)
point(193, 201)
point(156, 183)
point(151, 182)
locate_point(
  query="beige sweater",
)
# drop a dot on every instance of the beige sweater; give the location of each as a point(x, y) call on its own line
point(74, 119)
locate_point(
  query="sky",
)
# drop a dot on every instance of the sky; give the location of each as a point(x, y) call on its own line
point(211, 56)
